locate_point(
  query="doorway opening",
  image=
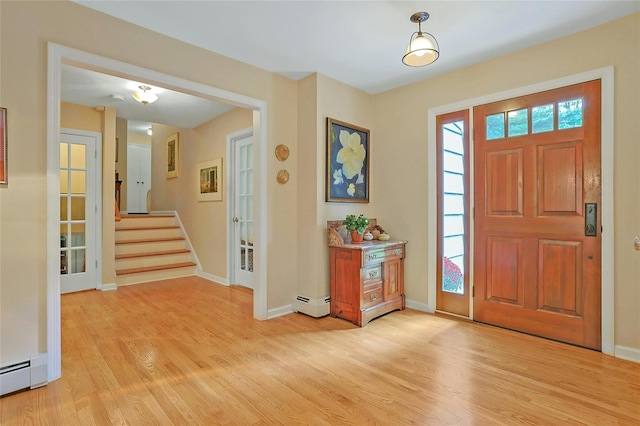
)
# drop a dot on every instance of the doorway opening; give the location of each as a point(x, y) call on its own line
point(58, 55)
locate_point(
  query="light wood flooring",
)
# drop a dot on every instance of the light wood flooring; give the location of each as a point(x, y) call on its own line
point(187, 352)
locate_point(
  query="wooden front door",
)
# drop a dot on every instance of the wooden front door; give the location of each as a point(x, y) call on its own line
point(537, 179)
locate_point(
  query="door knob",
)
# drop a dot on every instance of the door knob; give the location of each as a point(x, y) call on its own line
point(235, 220)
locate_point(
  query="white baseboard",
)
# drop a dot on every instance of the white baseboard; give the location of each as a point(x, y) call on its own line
point(214, 278)
point(418, 306)
point(278, 312)
point(627, 353)
point(109, 287)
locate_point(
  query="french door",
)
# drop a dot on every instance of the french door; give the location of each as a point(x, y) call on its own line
point(537, 244)
point(79, 187)
point(242, 246)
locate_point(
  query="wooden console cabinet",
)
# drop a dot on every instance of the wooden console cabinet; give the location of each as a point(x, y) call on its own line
point(367, 280)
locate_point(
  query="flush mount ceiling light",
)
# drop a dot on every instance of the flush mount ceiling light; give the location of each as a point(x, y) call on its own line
point(423, 47)
point(143, 96)
point(150, 131)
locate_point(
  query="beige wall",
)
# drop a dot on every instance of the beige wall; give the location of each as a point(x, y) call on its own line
point(320, 97)
point(297, 261)
point(401, 146)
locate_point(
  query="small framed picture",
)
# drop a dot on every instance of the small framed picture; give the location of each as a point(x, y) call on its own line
point(347, 172)
point(173, 155)
point(210, 180)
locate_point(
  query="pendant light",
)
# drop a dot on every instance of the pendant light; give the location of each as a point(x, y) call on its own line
point(143, 97)
point(423, 47)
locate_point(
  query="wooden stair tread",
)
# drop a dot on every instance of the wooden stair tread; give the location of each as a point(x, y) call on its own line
point(151, 253)
point(150, 240)
point(147, 228)
point(154, 268)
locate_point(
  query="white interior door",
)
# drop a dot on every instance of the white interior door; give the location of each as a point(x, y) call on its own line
point(138, 177)
point(79, 190)
point(242, 223)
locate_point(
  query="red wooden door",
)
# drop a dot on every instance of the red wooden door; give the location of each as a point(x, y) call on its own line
point(537, 166)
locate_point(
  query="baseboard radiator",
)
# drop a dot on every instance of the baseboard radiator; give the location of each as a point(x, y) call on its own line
point(315, 307)
point(27, 374)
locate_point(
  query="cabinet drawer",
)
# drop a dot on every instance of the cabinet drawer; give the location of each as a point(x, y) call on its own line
point(372, 274)
point(372, 257)
point(372, 295)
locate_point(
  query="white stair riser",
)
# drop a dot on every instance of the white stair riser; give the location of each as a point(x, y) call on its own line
point(144, 277)
point(144, 234)
point(149, 247)
point(147, 221)
point(141, 262)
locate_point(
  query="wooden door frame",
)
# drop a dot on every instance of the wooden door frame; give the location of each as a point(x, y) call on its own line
point(606, 75)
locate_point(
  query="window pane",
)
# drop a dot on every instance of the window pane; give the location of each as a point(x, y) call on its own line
point(78, 160)
point(570, 114)
point(64, 181)
point(64, 155)
point(495, 126)
point(77, 235)
point(453, 204)
point(63, 209)
point(453, 162)
point(452, 278)
point(77, 208)
point(77, 261)
point(518, 122)
point(78, 182)
point(542, 118)
point(453, 183)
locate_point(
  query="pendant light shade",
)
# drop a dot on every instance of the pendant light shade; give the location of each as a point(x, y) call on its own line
point(144, 96)
point(423, 47)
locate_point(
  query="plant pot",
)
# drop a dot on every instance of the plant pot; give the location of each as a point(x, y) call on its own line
point(356, 238)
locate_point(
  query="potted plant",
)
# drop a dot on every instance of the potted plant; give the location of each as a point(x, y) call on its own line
point(356, 226)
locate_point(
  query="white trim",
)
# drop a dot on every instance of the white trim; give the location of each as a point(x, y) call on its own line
point(419, 306)
point(606, 75)
point(213, 278)
point(278, 312)
point(58, 54)
point(109, 287)
point(625, 352)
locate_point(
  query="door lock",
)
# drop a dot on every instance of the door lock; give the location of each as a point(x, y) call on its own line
point(590, 219)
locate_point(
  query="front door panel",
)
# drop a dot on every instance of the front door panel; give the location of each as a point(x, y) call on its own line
point(537, 164)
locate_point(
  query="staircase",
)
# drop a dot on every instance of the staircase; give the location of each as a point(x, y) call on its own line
point(151, 248)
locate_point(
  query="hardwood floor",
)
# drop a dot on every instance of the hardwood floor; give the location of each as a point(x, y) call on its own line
point(187, 352)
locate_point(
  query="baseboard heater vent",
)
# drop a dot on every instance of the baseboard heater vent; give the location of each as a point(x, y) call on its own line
point(31, 373)
point(315, 307)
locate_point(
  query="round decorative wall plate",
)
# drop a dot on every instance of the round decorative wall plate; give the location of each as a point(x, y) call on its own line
point(283, 176)
point(282, 152)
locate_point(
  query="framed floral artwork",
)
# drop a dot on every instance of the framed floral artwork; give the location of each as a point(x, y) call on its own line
point(173, 155)
point(347, 172)
point(210, 180)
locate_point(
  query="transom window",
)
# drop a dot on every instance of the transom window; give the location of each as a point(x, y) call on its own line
point(562, 115)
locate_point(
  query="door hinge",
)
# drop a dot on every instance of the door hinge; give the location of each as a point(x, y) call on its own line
point(96, 264)
point(95, 208)
point(95, 153)
point(473, 291)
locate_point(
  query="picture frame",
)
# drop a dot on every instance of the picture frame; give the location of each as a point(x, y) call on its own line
point(209, 174)
point(117, 148)
point(173, 155)
point(347, 163)
point(4, 147)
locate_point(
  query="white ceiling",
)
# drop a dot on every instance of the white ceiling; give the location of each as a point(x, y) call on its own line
point(359, 43)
